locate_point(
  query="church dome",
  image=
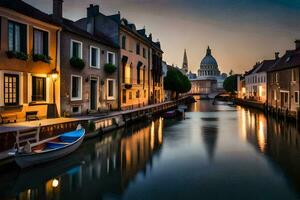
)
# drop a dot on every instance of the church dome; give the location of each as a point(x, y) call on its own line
point(209, 65)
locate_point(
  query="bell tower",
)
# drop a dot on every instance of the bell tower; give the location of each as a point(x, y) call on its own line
point(185, 65)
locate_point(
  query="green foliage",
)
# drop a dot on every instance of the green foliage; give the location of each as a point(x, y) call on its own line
point(230, 84)
point(91, 126)
point(77, 63)
point(41, 57)
point(177, 82)
point(17, 55)
point(109, 68)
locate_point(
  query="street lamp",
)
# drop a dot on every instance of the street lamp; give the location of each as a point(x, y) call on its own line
point(54, 75)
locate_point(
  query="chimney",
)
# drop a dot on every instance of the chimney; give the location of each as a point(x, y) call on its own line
point(276, 55)
point(58, 10)
point(297, 42)
point(92, 11)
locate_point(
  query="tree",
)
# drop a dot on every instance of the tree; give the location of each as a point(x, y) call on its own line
point(230, 84)
point(176, 82)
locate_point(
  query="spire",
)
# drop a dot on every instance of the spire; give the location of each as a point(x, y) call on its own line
point(208, 51)
point(185, 62)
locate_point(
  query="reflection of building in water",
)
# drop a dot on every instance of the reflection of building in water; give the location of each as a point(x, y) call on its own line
point(210, 136)
point(280, 141)
point(104, 168)
point(283, 147)
point(256, 129)
point(137, 150)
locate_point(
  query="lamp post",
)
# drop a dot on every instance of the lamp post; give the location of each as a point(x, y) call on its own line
point(54, 75)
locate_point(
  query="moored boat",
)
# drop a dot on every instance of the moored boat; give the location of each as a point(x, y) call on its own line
point(51, 149)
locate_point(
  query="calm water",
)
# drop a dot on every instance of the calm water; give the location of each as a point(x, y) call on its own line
point(217, 152)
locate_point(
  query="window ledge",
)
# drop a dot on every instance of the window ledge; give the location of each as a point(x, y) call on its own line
point(38, 103)
point(111, 98)
point(12, 107)
point(76, 99)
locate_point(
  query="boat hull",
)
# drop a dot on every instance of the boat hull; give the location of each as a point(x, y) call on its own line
point(28, 160)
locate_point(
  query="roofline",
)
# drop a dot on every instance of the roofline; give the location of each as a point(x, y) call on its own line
point(128, 30)
point(39, 21)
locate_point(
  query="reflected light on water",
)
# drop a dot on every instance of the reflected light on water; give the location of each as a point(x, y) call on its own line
point(261, 135)
point(243, 125)
point(160, 131)
point(152, 135)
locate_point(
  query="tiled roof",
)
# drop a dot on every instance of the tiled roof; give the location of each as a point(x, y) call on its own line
point(265, 65)
point(290, 59)
point(26, 9)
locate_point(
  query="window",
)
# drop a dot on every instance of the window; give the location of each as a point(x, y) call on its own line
point(127, 74)
point(124, 96)
point(40, 42)
point(94, 57)
point(130, 95)
point(297, 97)
point(11, 89)
point(76, 49)
point(38, 88)
point(138, 48)
point(111, 58)
point(144, 53)
point(76, 87)
point(274, 95)
point(145, 93)
point(294, 75)
point(110, 89)
point(76, 109)
point(276, 77)
point(17, 37)
point(124, 42)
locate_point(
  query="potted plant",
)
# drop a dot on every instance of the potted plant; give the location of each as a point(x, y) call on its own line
point(17, 55)
point(109, 68)
point(41, 57)
point(77, 63)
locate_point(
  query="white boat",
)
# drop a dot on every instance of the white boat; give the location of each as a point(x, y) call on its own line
point(50, 149)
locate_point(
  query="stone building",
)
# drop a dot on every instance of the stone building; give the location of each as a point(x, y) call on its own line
point(209, 81)
point(140, 61)
point(283, 81)
point(29, 66)
point(87, 88)
point(256, 80)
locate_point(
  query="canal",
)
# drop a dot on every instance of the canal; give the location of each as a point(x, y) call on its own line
point(217, 152)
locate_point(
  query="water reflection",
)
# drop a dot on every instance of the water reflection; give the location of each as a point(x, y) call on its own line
point(218, 152)
point(99, 168)
point(210, 135)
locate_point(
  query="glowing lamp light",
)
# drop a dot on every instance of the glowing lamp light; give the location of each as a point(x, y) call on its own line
point(54, 74)
point(55, 183)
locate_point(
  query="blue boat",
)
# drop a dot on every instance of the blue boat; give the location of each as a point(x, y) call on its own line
point(50, 149)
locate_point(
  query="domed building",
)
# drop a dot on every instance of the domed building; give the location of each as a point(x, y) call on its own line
point(209, 81)
point(209, 66)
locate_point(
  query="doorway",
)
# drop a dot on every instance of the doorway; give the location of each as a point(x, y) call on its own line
point(93, 94)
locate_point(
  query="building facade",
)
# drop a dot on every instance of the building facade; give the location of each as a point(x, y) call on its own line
point(256, 80)
point(90, 87)
point(283, 81)
point(209, 81)
point(140, 73)
point(29, 66)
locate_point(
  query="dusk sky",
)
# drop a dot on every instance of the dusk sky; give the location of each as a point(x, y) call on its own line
point(240, 32)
